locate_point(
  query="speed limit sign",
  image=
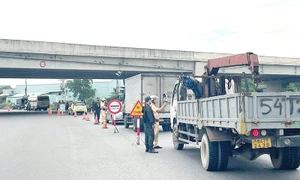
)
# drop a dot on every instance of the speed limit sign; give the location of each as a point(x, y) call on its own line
point(114, 106)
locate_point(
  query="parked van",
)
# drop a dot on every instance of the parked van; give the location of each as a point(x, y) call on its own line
point(43, 102)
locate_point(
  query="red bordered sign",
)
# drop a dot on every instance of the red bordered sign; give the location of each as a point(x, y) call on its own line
point(137, 109)
point(114, 106)
point(42, 64)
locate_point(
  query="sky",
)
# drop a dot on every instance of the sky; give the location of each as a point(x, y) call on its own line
point(265, 27)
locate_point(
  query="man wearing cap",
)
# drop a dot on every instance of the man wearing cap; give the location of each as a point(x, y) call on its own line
point(103, 109)
point(96, 107)
point(149, 121)
point(156, 112)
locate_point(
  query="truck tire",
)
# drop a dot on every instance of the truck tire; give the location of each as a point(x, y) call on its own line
point(126, 125)
point(285, 158)
point(166, 127)
point(224, 149)
point(209, 152)
point(134, 125)
point(176, 143)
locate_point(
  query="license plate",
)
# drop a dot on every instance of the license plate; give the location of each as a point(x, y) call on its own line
point(161, 120)
point(261, 143)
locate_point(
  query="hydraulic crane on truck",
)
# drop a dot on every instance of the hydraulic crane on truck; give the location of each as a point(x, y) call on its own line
point(214, 84)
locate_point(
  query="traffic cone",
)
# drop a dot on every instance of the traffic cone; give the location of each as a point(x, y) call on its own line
point(91, 112)
point(75, 115)
point(87, 118)
point(84, 117)
point(8, 109)
point(104, 125)
point(49, 111)
point(58, 112)
point(62, 113)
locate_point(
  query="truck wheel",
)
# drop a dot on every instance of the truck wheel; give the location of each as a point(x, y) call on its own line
point(176, 143)
point(224, 149)
point(134, 125)
point(285, 158)
point(209, 154)
point(166, 127)
point(126, 125)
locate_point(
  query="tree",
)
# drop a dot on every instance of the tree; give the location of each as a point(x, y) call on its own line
point(251, 85)
point(292, 87)
point(81, 88)
point(112, 95)
point(4, 87)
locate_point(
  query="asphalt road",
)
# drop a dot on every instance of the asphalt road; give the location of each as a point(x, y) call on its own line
point(39, 146)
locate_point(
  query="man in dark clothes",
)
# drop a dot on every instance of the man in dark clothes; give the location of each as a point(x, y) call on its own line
point(149, 121)
point(96, 108)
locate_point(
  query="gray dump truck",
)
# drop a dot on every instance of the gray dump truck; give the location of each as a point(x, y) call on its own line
point(142, 85)
point(222, 124)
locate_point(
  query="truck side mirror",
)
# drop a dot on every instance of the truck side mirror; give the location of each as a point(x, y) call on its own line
point(165, 98)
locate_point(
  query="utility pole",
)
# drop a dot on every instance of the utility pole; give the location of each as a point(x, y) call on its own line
point(118, 87)
point(25, 87)
point(62, 87)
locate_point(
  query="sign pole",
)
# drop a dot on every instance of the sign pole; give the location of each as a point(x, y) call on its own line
point(115, 124)
point(138, 130)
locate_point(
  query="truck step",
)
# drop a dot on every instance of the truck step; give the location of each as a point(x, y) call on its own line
point(189, 142)
point(189, 134)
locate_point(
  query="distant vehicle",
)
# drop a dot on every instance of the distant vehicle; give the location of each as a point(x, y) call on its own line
point(78, 107)
point(33, 102)
point(43, 102)
point(16, 106)
point(20, 104)
point(118, 117)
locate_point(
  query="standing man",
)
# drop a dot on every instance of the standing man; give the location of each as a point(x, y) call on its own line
point(149, 121)
point(156, 112)
point(103, 110)
point(96, 108)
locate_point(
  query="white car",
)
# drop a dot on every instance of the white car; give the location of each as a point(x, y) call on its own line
point(118, 117)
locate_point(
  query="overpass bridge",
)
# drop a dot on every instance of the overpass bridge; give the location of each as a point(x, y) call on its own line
point(37, 59)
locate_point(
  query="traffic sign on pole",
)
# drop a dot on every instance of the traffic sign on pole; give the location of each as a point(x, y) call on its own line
point(114, 106)
point(137, 109)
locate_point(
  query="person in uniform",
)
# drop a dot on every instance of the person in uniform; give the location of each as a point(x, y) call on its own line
point(96, 110)
point(103, 109)
point(149, 121)
point(156, 112)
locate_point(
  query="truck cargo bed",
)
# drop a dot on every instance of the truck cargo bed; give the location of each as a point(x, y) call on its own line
point(243, 111)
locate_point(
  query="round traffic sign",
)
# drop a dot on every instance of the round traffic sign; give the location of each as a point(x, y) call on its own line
point(114, 106)
point(42, 64)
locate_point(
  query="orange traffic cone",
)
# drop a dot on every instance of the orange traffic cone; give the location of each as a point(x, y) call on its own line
point(62, 113)
point(49, 111)
point(84, 117)
point(8, 109)
point(87, 118)
point(104, 125)
point(91, 112)
point(75, 115)
point(58, 112)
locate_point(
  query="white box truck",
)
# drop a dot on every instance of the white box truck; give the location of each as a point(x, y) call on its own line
point(142, 85)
